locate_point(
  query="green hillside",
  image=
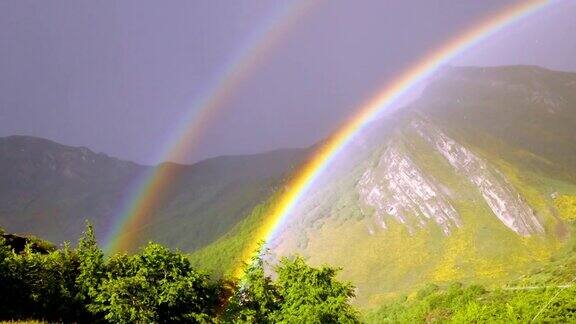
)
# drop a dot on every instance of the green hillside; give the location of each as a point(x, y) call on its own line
point(50, 189)
point(543, 294)
point(209, 198)
point(473, 182)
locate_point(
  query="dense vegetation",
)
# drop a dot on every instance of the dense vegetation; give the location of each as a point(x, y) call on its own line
point(547, 294)
point(159, 285)
point(81, 284)
point(473, 303)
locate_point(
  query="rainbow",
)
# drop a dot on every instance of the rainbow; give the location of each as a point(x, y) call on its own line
point(419, 72)
point(148, 192)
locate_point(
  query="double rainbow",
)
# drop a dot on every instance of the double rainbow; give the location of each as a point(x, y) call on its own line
point(305, 178)
point(148, 194)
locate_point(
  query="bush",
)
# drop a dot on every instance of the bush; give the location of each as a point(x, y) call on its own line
point(155, 286)
point(300, 294)
point(159, 285)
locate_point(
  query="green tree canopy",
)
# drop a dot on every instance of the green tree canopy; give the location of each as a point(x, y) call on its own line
point(300, 294)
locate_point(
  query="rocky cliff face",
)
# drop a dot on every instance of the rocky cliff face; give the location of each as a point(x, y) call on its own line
point(396, 188)
point(504, 201)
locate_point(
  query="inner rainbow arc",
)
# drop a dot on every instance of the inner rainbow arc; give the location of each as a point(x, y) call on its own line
point(314, 167)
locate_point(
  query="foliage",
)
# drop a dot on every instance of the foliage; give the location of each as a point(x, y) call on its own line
point(474, 304)
point(256, 298)
point(90, 267)
point(155, 285)
point(159, 285)
point(300, 294)
point(547, 295)
point(312, 295)
point(39, 285)
point(566, 205)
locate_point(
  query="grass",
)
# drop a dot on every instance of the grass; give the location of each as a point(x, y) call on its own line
point(223, 256)
point(472, 304)
point(546, 294)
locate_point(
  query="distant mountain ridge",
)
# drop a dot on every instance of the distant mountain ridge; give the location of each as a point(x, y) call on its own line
point(50, 189)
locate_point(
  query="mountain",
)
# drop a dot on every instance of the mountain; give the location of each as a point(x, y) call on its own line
point(50, 190)
point(473, 182)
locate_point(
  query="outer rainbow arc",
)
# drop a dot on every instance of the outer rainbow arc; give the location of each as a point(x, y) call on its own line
point(150, 192)
point(303, 180)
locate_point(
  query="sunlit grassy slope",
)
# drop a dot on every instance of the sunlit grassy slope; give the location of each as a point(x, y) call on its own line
point(395, 262)
point(520, 120)
point(483, 250)
point(221, 257)
point(546, 293)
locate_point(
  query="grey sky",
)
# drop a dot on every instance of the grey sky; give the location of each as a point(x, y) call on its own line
point(116, 76)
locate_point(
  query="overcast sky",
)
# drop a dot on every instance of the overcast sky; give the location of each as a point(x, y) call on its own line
point(117, 76)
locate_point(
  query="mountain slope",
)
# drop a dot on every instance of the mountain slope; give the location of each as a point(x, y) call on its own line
point(210, 197)
point(50, 190)
point(472, 182)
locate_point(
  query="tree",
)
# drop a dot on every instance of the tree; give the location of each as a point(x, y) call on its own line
point(38, 283)
point(91, 269)
point(12, 297)
point(312, 295)
point(55, 288)
point(159, 285)
point(256, 297)
point(156, 285)
point(301, 294)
